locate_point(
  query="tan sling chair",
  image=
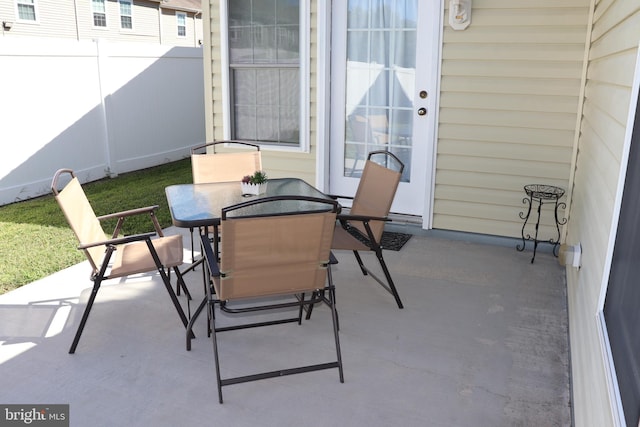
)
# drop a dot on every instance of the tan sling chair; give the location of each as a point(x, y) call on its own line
point(113, 257)
point(283, 252)
point(225, 166)
point(361, 229)
point(207, 166)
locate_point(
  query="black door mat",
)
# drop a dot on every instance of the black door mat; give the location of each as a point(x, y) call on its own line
point(393, 241)
point(390, 240)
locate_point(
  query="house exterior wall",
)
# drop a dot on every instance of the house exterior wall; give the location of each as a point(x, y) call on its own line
point(57, 19)
point(169, 26)
point(508, 109)
point(52, 17)
point(279, 163)
point(612, 56)
point(144, 19)
point(509, 96)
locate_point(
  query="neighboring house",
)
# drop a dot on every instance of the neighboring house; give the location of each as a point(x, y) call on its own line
point(113, 85)
point(168, 22)
point(529, 92)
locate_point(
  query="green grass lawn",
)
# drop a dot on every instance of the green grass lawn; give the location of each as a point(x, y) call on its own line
point(36, 241)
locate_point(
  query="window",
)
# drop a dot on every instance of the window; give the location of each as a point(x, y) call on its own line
point(181, 20)
point(265, 71)
point(125, 14)
point(99, 13)
point(623, 293)
point(26, 10)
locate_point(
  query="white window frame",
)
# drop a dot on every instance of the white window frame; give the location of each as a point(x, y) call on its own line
point(35, 11)
point(93, 22)
point(303, 145)
point(130, 16)
point(183, 15)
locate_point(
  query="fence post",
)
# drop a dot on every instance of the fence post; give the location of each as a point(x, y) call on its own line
point(103, 134)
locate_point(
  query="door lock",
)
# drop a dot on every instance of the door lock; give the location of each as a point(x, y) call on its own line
point(422, 111)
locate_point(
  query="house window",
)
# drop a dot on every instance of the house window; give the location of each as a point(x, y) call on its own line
point(125, 14)
point(99, 13)
point(181, 20)
point(265, 71)
point(623, 293)
point(26, 10)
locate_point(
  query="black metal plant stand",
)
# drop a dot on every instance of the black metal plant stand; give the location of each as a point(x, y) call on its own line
point(542, 193)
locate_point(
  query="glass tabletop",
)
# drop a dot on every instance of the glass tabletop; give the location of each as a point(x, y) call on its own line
point(198, 205)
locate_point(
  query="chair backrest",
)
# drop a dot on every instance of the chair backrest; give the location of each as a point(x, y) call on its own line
point(80, 216)
point(276, 254)
point(224, 166)
point(376, 189)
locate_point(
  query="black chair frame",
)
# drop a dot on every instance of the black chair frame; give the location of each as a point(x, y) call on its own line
point(369, 238)
point(301, 302)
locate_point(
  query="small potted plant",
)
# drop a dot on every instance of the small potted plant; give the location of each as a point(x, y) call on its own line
point(254, 184)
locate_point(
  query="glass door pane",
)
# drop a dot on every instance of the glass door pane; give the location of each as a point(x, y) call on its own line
point(380, 81)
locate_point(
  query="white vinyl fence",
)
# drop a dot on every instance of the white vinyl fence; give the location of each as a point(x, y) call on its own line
point(98, 108)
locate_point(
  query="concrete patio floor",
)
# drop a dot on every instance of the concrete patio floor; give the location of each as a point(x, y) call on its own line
point(482, 341)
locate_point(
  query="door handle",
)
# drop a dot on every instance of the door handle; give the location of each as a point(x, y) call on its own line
point(422, 111)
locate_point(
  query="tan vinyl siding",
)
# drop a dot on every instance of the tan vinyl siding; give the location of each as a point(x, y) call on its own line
point(145, 22)
point(51, 18)
point(213, 73)
point(8, 11)
point(57, 18)
point(509, 95)
point(276, 163)
point(615, 37)
point(170, 28)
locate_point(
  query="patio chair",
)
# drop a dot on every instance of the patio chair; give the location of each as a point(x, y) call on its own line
point(282, 256)
point(361, 229)
point(113, 257)
point(209, 166)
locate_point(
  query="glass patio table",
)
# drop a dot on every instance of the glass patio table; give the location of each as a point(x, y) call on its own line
point(200, 205)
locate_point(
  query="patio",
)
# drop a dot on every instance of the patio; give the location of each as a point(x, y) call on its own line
point(482, 341)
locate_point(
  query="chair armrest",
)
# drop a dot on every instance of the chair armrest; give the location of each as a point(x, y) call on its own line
point(344, 220)
point(132, 212)
point(363, 218)
point(129, 212)
point(335, 196)
point(209, 256)
point(119, 241)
